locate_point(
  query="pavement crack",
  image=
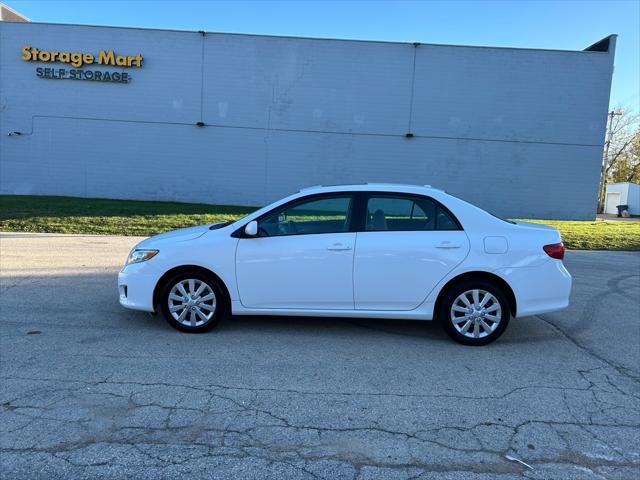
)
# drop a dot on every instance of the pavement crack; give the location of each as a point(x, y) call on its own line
point(620, 369)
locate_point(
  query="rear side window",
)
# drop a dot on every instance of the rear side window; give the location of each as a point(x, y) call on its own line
point(444, 221)
point(399, 213)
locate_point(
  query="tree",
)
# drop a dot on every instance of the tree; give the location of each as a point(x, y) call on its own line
point(627, 167)
point(621, 157)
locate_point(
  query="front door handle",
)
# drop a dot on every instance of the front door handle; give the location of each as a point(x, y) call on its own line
point(338, 247)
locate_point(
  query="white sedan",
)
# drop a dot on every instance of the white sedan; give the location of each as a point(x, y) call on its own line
point(371, 250)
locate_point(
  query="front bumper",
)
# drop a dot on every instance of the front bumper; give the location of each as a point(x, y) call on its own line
point(135, 288)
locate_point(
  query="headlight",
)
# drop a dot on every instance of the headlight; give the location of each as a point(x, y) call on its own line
point(137, 256)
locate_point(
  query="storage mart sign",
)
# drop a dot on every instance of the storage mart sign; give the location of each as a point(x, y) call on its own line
point(80, 59)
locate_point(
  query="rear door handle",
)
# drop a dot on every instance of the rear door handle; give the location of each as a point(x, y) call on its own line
point(338, 246)
point(448, 245)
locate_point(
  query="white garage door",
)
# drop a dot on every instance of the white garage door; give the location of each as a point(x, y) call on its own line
point(613, 199)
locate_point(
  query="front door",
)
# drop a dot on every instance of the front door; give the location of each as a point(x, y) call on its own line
point(302, 257)
point(408, 245)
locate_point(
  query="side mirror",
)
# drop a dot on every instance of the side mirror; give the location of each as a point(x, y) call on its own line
point(251, 229)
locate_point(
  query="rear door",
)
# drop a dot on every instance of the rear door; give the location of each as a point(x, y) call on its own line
point(406, 246)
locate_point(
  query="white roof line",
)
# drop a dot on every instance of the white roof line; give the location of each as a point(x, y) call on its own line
point(371, 184)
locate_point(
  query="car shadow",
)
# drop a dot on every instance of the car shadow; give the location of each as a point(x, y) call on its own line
point(529, 330)
point(334, 325)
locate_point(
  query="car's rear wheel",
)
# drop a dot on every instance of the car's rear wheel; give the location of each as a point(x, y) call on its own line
point(193, 302)
point(474, 312)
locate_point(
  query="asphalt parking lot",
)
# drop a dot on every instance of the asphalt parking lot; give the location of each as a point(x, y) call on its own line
point(90, 390)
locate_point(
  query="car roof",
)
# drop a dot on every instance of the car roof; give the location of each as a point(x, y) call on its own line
point(370, 187)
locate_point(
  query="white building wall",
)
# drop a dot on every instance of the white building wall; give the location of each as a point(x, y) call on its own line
point(518, 132)
point(629, 195)
point(633, 199)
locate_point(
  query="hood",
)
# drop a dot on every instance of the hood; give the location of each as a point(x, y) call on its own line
point(180, 235)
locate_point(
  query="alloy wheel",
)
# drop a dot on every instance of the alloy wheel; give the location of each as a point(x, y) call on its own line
point(192, 302)
point(476, 313)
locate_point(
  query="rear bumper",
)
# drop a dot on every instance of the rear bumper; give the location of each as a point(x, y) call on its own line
point(541, 289)
point(135, 289)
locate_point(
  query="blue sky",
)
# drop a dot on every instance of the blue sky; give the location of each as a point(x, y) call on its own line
point(571, 25)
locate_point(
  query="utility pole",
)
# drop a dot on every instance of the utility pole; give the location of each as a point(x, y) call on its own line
point(605, 158)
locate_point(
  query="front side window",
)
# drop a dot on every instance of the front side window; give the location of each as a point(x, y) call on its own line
point(389, 213)
point(322, 215)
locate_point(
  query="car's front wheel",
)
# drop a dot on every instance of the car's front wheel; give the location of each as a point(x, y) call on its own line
point(193, 302)
point(474, 312)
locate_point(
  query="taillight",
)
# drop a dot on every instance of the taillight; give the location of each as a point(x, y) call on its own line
point(555, 250)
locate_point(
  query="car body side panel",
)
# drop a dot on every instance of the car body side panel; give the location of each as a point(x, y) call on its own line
point(423, 312)
point(542, 287)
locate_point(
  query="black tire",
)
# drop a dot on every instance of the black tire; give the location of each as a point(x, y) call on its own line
point(221, 306)
point(452, 295)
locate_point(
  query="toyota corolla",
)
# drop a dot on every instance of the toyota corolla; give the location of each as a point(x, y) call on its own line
point(372, 250)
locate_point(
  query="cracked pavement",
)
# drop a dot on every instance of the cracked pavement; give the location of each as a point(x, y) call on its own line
point(91, 390)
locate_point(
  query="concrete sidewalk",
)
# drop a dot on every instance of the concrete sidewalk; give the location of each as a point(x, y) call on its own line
point(615, 218)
